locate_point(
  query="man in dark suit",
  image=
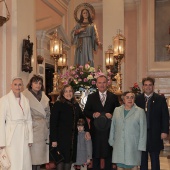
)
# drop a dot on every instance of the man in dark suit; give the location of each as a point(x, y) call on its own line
point(157, 115)
point(99, 103)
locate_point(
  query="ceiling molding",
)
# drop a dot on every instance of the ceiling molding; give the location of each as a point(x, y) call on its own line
point(131, 1)
point(42, 19)
point(53, 8)
point(64, 3)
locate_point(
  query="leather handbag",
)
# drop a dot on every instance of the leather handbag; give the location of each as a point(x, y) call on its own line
point(55, 155)
point(4, 160)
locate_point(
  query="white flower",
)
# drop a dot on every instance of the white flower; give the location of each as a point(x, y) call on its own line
point(87, 66)
point(92, 69)
point(89, 77)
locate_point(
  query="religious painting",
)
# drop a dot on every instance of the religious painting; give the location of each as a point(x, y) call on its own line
point(162, 31)
point(27, 51)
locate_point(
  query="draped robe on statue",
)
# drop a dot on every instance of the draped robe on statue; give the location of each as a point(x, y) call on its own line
point(40, 112)
point(16, 130)
point(85, 42)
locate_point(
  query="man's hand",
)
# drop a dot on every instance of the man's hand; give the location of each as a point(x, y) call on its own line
point(96, 115)
point(164, 135)
point(108, 115)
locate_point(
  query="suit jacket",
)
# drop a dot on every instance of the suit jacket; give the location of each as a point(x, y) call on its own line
point(158, 120)
point(101, 148)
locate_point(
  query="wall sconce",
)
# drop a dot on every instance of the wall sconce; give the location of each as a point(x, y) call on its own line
point(109, 58)
point(62, 62)
point(111, 62)
point(4, 19)
point(56, 50)
point(119, 53)
point(119, 45)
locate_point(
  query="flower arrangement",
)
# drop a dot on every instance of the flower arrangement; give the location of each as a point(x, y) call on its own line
point(81, 77)
point(135, 88)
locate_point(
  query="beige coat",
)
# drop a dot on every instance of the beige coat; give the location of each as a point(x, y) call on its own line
point(40, 112)
point(16, 130)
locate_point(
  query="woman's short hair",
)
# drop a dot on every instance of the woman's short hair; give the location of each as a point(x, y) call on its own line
point(61, 96)
point(16, 77)
point(89, 16)
point(35, 78)
point(151, 79)
point(125, 93)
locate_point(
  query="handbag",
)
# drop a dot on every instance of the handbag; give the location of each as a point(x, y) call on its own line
point(55, 155)
point(4, 160)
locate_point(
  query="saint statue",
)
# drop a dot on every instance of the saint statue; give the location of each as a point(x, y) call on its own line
point(84, 35)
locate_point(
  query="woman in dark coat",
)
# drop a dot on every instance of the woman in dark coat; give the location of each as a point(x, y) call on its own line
point(63, 126)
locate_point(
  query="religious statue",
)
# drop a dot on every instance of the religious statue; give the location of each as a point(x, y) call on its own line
point(84, 35)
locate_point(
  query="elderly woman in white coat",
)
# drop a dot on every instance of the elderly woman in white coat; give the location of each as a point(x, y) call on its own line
point(16, 134)
point(40, 111)
point(128, 133)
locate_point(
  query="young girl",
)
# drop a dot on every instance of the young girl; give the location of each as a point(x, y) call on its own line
point(84, 147)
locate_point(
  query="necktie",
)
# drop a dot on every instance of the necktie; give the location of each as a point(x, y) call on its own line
point(146, 104)
point(147, 110)
point(103, 98)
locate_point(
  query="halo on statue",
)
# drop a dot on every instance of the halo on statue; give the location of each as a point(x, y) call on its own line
point(79, 8)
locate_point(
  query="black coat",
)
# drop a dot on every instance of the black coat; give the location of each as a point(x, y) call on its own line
point(63, 128)
point(101, 148)
point(158, 120)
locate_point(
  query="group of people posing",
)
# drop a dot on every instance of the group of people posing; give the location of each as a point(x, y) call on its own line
point(121, 135)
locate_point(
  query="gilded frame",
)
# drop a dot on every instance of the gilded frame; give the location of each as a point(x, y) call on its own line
point(152, 64)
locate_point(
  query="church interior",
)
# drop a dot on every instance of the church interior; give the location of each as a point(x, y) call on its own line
point(140, 27)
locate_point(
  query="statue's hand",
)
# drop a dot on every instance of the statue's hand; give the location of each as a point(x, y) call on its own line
point(100, 44)
point(82, 29)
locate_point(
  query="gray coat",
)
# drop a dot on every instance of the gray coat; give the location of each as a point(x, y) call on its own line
point(128, 135)
point(84, 149)
point(40, 112)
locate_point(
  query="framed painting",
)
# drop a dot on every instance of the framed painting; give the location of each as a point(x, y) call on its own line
point(159, 35)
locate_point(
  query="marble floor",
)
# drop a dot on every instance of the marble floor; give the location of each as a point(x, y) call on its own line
point(164, 161)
